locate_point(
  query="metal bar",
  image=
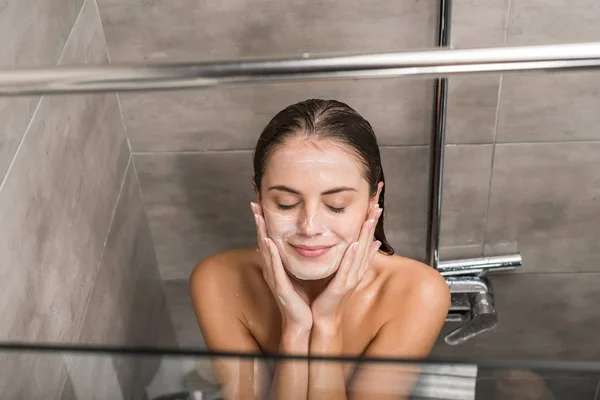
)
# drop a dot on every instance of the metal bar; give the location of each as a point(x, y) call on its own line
point(436, 145)
point(466, 284)
point(431, 63)
point(476, 266)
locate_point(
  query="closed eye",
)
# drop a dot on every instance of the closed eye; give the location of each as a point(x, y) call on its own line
point(286, 207)
point(337, 210)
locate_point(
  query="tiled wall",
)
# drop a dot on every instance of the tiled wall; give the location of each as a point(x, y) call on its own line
point(78, 264)
point(521, 164)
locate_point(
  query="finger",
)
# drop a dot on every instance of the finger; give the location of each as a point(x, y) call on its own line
point(372, 253)
point(347, 263)
point(277, 266)
point(261, 231)
point(365, 238)
point(376, 214)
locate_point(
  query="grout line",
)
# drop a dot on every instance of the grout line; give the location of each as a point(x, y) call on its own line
point(419, 146)
point(97, 268)
point(62, 52)
point(37, 107)
point(110, 62)
point(103, 31)
point(12, 162)
point(495, 137)
point(507, 22)
point(493, 159)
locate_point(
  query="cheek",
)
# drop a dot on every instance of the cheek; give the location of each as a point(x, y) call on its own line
point(347, 227)
point(279, 225)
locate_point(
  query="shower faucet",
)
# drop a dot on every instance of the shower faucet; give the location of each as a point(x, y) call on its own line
point(472, 296)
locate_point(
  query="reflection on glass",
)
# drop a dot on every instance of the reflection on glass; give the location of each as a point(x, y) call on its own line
point(45, 372)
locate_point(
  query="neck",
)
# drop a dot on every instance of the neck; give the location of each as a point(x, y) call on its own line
point(310, 289)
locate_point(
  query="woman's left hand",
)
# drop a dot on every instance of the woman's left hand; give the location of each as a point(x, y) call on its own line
point(327, 309)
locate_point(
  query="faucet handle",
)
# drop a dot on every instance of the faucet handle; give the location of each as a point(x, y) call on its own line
point(484, 318)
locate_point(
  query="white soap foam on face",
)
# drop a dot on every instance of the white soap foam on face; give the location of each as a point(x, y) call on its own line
point(311, 171)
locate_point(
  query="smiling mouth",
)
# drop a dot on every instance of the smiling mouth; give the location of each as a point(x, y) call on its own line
point(311, 251)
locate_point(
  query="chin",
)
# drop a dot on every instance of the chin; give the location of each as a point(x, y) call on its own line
point(311, 272)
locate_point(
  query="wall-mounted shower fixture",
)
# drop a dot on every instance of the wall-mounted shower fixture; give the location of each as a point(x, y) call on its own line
point(472, 299)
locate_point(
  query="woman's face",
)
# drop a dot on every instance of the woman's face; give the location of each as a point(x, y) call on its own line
point(314, 199)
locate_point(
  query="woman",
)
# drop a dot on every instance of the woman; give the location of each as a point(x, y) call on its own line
point(323, 279)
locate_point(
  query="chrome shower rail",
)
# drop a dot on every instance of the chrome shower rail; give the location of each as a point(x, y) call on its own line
point(427, 63)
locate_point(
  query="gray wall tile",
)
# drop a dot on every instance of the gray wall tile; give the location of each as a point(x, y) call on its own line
point(68, 391)
point(399, 110)
point(31, 36)
point(182, 312)
point(188, 30)
point(557, 106)
point(541, 316)
point(530, 384)
point(467, 171)
point(93, 376)
point(184, 30)
point(193, 202)
point(473, 100)
point(57, 202)
point(31, 375)
point(127, 305)
point(553, 21)
point(545, 199)
point(549, 107)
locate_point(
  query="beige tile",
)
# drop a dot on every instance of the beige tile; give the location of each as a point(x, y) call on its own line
point(31, 36)
point(553, 21)
point(400, 110)
point(544, 199)
point(57, 203)
point(541, 317)
point(465, 194)
point(549, 107)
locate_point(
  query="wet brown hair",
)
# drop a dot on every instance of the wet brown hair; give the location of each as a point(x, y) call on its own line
point(326, 120)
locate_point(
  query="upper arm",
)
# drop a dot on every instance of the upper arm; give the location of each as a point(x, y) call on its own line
point(410, 333)
point(222, 329)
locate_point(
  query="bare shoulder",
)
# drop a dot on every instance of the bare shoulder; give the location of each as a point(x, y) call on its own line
point(223, 273)
point(416, 283)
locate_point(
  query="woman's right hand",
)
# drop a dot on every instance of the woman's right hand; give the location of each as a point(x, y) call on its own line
point(295, 312)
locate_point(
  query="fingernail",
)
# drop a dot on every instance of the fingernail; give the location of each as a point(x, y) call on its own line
point(354, 246)
point(379, 212)
point(253, 206)
point(371, 223)
point(377, 244)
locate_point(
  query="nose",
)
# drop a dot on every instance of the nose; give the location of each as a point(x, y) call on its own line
point(311, 221)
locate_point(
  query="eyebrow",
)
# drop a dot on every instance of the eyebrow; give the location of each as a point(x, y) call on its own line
point(339, 189)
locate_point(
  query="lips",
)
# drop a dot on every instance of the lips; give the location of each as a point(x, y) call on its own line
point(311, 251)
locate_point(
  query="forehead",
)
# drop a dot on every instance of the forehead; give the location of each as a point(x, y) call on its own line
point(318, 160)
